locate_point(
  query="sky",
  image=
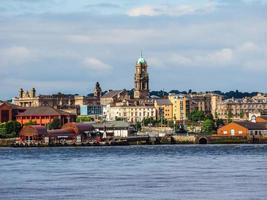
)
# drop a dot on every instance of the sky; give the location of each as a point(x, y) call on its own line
point(67, 46)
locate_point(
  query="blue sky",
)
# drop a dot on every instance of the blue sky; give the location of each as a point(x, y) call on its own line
point(67, 45)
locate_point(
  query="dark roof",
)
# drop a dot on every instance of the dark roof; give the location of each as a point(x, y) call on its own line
point(163, 102)
point(43, 111)
point(112, 93)
point(252, 125)
point(13, 106)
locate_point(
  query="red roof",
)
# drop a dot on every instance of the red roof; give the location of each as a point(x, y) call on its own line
point(78, 127)
point(44, 111)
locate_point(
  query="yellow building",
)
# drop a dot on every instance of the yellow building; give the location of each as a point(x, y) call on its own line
point(164, 109)
point(180, 106)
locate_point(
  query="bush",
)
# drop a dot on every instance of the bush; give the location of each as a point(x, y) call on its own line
point(9, 129)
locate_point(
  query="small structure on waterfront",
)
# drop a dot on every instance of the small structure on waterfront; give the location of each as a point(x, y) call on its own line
point(82, 129)
point(69, 134)
point(34, 133)
point(115, 128)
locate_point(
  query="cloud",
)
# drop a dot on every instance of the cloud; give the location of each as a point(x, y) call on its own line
point(63, 42)
point(16, 55)
point(246, 56)
point(170, 10)
point(103, 5)
point(96, 65)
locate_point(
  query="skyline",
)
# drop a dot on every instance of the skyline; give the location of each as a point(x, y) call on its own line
point(58, 47)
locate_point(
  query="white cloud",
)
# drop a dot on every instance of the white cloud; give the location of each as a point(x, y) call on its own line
point(144, 10)
point(96, 65)
point(170, 10)
point(246, 56)
point(16, 55)
point(222, 56)
point(248, 47)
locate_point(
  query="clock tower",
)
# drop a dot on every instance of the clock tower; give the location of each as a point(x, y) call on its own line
point(141, 79)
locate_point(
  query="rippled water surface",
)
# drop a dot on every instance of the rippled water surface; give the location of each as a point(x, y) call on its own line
point(207, 172)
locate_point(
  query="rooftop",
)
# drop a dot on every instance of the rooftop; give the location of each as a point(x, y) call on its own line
point(253, 126)
point(43, 111)
point(163, 102)
point(112, 93)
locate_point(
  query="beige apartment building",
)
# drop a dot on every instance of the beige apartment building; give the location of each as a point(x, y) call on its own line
point(241, 109)
point(181, 106)
point(164, 109)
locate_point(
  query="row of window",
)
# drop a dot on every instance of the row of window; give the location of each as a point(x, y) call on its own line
point(232, 132)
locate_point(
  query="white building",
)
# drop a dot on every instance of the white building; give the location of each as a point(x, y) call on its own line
point(129, 113)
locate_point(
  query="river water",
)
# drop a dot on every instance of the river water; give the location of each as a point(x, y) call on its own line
point(210, 172)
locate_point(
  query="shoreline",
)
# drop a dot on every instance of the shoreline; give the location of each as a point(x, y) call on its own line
point(170, 140)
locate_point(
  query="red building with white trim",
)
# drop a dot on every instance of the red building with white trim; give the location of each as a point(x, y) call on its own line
point(44, 115)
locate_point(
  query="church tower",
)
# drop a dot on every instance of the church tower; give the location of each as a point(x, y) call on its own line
point(141, 79)
point(98, 90)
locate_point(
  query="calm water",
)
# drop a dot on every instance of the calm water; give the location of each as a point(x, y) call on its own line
point(207, 172)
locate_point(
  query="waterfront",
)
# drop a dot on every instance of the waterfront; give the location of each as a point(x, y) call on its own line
point(135, 172)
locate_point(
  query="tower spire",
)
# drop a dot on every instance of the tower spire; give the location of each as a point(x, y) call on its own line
point(141, 53)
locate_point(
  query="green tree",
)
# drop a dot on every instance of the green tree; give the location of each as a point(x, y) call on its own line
point(149, 121)
point(13, 127)
point(84, 119)
point(138, 126)
point(229, 116)
point(196, 116)
point(208, 126)
point(9, 129)
point(119, 118)
point(219, 123)
point(241, 114)
point(55, 124)
point(209, 116)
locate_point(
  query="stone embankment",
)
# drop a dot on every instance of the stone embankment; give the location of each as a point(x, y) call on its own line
point(7, 142)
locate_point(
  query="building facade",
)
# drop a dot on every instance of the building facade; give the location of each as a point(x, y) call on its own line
point(91, 110)
point(8, 111)
point(31, 99)
point(164, 109)
point(181, 106)
point(44, 115)
point(243, 128)
point(130, 113)
point(241, 109)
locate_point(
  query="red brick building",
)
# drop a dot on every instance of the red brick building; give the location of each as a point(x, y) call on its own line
point(9, 111)
point(243, 128)
point(44, 115)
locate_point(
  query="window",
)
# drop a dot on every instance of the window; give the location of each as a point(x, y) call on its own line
point(232, 132)
point(224, 132)
point(240, 132)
